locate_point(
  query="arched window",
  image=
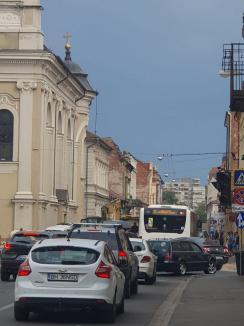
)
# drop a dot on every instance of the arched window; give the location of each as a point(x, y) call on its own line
point(59, 123)
point(69, 130)
point(6, 135)
point(49, 115)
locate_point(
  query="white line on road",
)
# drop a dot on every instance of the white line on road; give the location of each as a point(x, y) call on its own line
point(166, 310)
point(6, 307)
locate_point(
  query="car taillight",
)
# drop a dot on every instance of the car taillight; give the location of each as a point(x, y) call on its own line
point(167, 258)
point(7, 246)
point(24, 268)
point(103, 270)
point(206, 250)
point(122, 255)
point(146, 259)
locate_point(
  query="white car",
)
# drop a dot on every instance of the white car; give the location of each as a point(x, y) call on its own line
point(147, 260)
point(68, 274)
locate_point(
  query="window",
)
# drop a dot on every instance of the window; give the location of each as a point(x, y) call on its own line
point(196, 248)
point(186, 246)
point(6, 135)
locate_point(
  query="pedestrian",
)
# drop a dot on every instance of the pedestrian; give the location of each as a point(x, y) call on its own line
point(216, 235)
point(230, 242)
point(237, 241)
point(134, 228)
point(221, 238)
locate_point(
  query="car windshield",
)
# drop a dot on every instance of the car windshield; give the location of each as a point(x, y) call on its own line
point(29, 238)
point(108, 237)
point(164, 223)
point(64, 255)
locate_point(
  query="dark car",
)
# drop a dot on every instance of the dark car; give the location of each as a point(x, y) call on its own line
point(180, 256)
point(16, 249)
point(117, 239)
point(212, 247)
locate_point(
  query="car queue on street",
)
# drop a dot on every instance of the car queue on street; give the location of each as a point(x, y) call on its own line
point(92, 267)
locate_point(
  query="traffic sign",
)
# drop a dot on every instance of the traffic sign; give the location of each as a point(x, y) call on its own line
point(239, 178)
point(237, 208)
point(238, 196)
point(240, 220)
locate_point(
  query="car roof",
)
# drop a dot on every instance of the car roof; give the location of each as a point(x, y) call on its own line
point(96, 227)
point(88, 243)
point(136, 239)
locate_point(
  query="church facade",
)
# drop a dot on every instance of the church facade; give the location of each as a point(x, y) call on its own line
point(44, 110)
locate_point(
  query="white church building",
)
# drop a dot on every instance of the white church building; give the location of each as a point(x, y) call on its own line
point(44, 110)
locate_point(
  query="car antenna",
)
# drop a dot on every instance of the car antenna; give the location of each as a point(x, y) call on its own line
point(75, 226)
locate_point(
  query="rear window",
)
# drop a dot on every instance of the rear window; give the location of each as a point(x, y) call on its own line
point(108, 237)
point(64, 255)
point(29, 238)
point(159, 246)
point(137, 245)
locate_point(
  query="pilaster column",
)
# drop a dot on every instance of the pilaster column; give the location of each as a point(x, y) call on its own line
point(25, 139)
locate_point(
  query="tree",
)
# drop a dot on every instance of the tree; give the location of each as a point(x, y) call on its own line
point(169, 198)
point(200, 210)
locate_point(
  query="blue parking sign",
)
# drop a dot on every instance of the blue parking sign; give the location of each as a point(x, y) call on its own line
point(240, 220)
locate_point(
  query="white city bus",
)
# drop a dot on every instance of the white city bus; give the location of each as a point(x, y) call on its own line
point(167, 221)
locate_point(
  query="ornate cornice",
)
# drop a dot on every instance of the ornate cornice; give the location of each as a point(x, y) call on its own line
point(27, 86)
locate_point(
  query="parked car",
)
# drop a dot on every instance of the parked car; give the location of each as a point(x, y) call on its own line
point(59, 227)
point(147, 260)
point(69, 274)
point(212, 247)
point(181, 255)
point(115, 236)
point(15, 250)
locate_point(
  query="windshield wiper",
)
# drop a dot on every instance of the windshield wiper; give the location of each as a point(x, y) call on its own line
point(23, 241)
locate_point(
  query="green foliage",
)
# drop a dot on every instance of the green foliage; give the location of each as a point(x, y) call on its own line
point(169, 198)
point(200, 210)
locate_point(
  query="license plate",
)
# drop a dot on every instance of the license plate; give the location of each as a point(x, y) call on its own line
point(61, 277)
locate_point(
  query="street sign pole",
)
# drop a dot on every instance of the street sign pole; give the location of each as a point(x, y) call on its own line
point(240, 250)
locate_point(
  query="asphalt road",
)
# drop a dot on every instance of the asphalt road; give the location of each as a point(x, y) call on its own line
point(196, 299)
point(139, 309)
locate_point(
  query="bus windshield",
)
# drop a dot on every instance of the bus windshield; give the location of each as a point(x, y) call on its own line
point(165, 222)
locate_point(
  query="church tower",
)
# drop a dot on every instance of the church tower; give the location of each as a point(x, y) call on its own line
point(20, 25)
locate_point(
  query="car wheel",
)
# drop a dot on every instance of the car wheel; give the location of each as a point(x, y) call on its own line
point(134, 287)
point(20, 314)
point(109, 315)
point(181, 269)
point(211, 267)
point(4, 275)
point(151, 280)
point(121, 307)
point(127, 288)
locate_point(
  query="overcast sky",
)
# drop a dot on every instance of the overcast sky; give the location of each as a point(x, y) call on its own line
point(155, 65)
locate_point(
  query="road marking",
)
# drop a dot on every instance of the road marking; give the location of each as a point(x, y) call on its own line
point(166, 310)
point(6, 307)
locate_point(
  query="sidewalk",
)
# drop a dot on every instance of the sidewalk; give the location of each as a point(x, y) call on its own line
point(230, 266)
